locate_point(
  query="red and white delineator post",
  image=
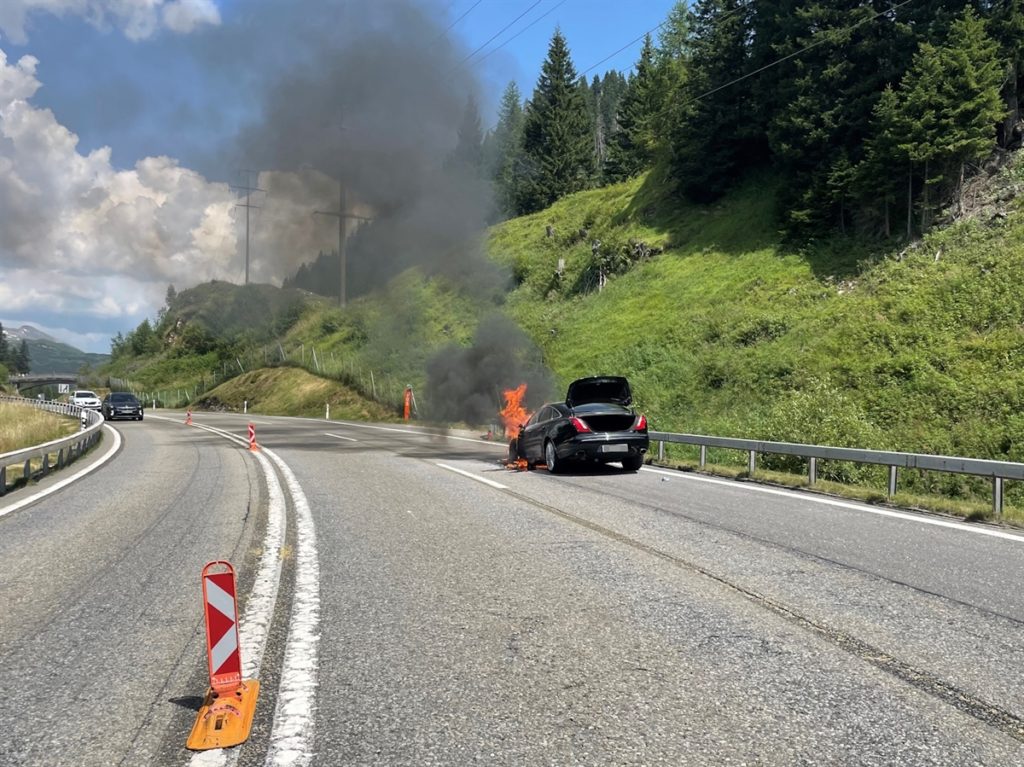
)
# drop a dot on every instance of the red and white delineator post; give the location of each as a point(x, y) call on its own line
point(252, 437)
point(226, 715)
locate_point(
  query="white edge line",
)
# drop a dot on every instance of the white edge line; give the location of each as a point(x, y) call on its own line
point(811, 497)
point(473, 476)
point(338, 436)
point(23, 502)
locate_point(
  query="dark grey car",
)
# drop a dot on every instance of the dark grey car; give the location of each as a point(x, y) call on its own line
point(596, 423)
point(121, 405)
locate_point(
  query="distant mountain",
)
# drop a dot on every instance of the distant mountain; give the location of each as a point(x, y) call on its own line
point(48, 355)
point(28, 333)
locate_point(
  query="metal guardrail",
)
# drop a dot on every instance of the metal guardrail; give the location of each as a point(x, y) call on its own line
point(67, 448)
point(998, 471)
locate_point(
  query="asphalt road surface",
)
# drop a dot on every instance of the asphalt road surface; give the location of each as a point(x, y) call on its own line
point(406, 600)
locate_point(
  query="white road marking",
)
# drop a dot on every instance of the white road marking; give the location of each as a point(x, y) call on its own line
point(474, 476)
point(338, 436)
point(22, 502)
point(292, 735)
point(259, 608)
point(493, 443)
point(812, 498)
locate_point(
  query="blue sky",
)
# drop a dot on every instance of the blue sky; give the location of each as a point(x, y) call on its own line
point(134, 79)
point(150, 97)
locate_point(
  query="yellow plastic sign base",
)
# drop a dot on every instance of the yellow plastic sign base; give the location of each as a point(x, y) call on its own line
point(225, 719)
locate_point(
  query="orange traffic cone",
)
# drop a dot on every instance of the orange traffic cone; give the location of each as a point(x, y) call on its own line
point(188, 418)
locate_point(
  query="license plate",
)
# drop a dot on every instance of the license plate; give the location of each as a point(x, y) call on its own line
point(614, 448)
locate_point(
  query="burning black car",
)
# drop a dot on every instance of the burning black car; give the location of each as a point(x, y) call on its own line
point(121, 405)
point(595, 423)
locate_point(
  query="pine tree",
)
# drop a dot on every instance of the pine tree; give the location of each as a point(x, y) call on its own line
point(557, 136)
point(708, 144)
point(22, 361)
point(468, 153)
point(671, 74)
point(632, 149)
point(506, 151)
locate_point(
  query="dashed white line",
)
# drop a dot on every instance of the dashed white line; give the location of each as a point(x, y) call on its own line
point(478, 478)
point(338, 436)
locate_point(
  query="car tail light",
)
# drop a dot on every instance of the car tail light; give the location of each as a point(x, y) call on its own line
point(641, 423)
point(579, 426)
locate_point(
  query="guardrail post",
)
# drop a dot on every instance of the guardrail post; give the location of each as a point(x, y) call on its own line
point(3, 480)
point(892, 481)
point(703, 455)
point(26, 470)
point(751, 463)
point(661, 450)
point(997, 496)
point(812, 470)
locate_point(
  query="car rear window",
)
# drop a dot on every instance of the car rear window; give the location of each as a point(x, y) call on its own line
point(122, 398)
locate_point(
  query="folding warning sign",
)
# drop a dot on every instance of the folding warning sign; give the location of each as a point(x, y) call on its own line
point(225, 717)
point(252, 437)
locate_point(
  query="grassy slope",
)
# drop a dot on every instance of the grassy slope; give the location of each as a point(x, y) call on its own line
point(291, 391)
point(732, 332)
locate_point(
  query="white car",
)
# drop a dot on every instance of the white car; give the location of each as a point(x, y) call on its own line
point(85, 398)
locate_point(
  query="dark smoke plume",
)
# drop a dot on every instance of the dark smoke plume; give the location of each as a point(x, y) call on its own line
point(466, 384)
point(370, 95)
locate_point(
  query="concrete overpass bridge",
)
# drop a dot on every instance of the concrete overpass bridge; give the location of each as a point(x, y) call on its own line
point(33, 381)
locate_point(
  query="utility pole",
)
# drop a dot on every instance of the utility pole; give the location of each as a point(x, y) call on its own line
point(343, 218)
point(248, 189)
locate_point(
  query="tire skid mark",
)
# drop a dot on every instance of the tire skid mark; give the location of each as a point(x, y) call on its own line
point(988, 713)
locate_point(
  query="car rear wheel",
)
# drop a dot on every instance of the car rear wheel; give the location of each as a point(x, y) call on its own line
point(551, 457)
point(633, 463)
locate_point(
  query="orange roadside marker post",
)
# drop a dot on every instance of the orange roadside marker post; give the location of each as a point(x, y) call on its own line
point(252, 437)
point(225, 717)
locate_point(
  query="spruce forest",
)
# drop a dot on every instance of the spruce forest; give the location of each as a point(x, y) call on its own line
point(871, 115)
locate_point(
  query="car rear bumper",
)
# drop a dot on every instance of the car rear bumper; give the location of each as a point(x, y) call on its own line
point(605, 448)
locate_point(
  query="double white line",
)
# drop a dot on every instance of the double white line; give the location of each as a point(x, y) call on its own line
point(292, 733)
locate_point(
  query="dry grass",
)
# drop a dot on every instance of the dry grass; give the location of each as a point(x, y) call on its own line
point(22, 427)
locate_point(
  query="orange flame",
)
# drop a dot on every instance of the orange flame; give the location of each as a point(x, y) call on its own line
point(514, 415)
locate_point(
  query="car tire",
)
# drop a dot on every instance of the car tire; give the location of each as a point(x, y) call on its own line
point(551, 457)
point(633, 463)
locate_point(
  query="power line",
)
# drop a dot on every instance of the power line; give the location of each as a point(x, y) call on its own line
point(464, 15)
point(500, 32)
point(521, 31)
point(651, 31)
point(824, 38)
point(628, 45)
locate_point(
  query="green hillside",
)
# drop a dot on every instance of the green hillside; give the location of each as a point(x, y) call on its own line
point(723, 326)
point(731, 331)
point(47, 356)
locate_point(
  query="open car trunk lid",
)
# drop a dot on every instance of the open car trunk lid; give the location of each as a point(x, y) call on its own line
point(599, 389)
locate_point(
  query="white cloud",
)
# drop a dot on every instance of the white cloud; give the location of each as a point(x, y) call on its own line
point(137, 19)
point(80, 238)
point(183, 16)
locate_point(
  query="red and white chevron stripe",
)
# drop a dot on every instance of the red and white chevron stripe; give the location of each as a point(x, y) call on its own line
point(222, 626)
